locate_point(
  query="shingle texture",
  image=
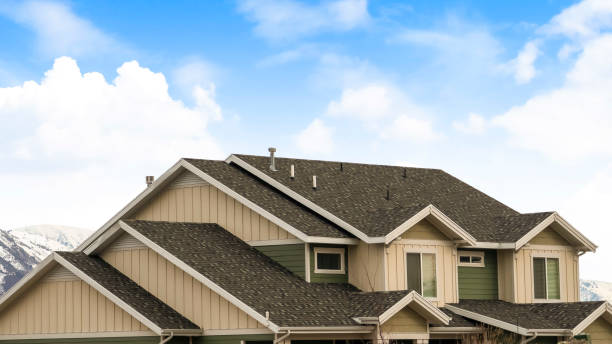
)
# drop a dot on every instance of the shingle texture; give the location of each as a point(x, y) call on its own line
point(533, 316)
point(260, 282)
point(128, 291)
point(456, 320)
point(356, 193)
point(269, 199)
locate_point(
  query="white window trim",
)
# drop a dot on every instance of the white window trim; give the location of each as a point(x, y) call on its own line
point(421, 252)
point(471, 254)
point(336, 250)
point(546, 257)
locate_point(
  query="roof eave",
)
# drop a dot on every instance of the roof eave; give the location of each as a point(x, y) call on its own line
point(587, 245)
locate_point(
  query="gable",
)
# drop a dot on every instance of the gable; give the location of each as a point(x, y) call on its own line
point(405, 321)
point(549, 237)
point(60, 302)
point(424, 230)
point(600, 331)
point(176, 288)
point(187, 199)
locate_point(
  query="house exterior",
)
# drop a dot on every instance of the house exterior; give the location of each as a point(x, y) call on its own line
point(258, 249)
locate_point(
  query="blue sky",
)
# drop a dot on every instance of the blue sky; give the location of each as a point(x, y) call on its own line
point(515, 98)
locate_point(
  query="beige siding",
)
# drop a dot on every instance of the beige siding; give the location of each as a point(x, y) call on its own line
point(505, 273)
point(178, 289)
point(405, 321)
point(549, 237)
point(366, 266)
point(568, 271)
point(70, 306)
point(205, 203)
point(446, 267)
point(423, 230)
point(600, 332)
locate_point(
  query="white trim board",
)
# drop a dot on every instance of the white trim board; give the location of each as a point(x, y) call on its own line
point(555, 218)
point(84, 335)
point(203, 279)
point(433, 312)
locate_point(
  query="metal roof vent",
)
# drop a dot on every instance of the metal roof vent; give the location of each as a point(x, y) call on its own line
point(272, 150)
point(149, 180)
point(292, 171)
point(314, 182)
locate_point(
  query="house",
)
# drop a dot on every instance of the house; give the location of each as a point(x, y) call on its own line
point(258, 249)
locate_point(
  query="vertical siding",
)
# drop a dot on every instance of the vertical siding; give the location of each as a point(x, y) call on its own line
point(568, 270)
point(178, 289)
point(205, 203)
point(479, 283)
point(289, 256)
point(70, 306)
point(505, 266)
point(446, 268)
point(600, 331)
point(366, 266)
point(405, 321)
point(328, 278)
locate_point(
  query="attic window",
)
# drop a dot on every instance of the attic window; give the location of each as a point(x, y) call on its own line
point(329, 260)
point(471, 258)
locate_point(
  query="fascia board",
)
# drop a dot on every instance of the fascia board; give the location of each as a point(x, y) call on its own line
point(203, 279)
point(488, 320)
point(555, 218)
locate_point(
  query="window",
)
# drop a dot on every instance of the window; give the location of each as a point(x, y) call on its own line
point(471, 258)
point(329, 260)
point(546, 284)
point(421, 273)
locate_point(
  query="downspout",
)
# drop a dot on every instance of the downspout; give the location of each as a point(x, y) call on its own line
point(283, 337)
point(525, 341)
point(164, 341)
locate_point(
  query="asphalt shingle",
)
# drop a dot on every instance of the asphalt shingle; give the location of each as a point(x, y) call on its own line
point(260, 282)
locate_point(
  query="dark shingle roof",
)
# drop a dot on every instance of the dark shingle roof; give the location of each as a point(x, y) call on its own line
point(456, 320)
point(271, 200)
point(128, 291)
point(260, 282)
point(566, 315)
point(356, 193)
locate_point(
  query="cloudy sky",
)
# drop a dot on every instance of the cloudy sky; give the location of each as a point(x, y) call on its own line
point(513, 98)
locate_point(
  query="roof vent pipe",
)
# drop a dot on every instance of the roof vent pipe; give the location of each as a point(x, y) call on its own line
point(314, 182)
point(272, 150)
point(149, 180)
point(292, 171)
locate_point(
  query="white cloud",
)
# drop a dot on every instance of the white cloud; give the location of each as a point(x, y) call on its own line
point(474, 125)
point(286, 19)
point(523, 65)
point(386, 110)
point(59, 31)
point(317, 138)
point(582, 20)
point(574, 120)
point(589, 210)
point(78, 129)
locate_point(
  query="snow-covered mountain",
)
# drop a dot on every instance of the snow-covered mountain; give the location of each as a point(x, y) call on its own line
point(595, 290)
point(21, 249)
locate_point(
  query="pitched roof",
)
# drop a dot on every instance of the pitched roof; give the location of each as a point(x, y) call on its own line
point(260, 282)
point(356, 193)
point(270, 199)
point(128, 291)
point(558, 315)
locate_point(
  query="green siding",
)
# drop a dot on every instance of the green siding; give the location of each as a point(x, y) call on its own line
point(289, 256)
point(479, 283)
point(328, 278)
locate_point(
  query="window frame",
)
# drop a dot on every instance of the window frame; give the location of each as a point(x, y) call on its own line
point(546, 257)
point(471, 254)
point(330, 250)
point(437, 270)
